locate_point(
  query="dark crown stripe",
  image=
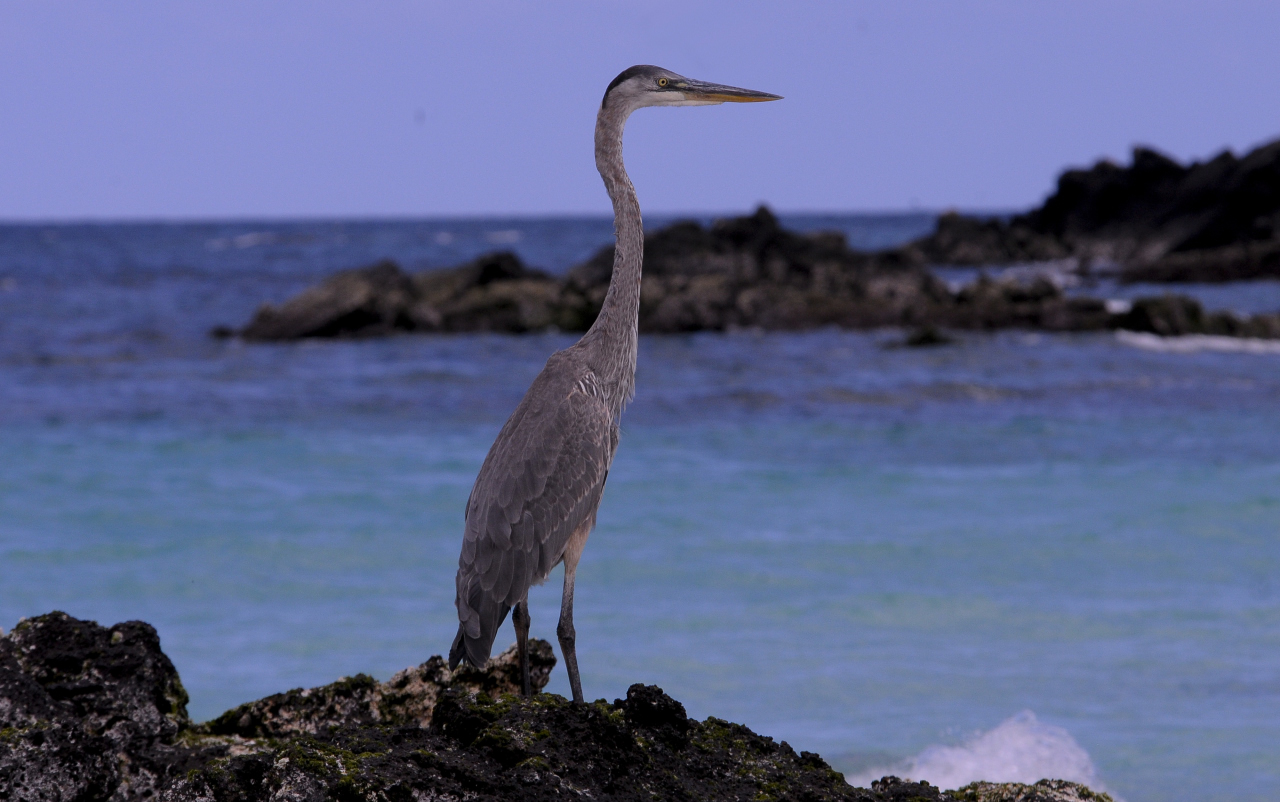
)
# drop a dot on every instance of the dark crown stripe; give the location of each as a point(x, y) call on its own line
point(629, 72)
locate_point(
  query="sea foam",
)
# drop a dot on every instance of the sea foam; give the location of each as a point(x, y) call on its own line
point(1194, 343)
point(1021, 749)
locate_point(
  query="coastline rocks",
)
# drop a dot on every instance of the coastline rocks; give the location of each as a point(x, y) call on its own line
point(961, 240)
point(740, 272)
point(93, 713)
point(1043, 791)
point(1155, 219)
point(493, 293)
point(86, 711)
point(1241, 262)
point(1175, 315)
point(745, 272)
point(408, 698)
point(751, 272)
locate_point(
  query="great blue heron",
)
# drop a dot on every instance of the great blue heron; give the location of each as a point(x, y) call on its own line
point(535, 500)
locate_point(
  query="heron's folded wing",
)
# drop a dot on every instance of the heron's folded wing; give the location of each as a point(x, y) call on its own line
point(541, 481)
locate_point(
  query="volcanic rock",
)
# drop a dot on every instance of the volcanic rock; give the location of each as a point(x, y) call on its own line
point(90, 713)
point(372, 300)
point(493, 293)
point(746, 272)
point(1043, 791)
point(408, 698)
point(1155, 219)
point(1174, 315)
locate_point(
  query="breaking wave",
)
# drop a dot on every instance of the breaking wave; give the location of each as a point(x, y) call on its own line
point(1193, 343)
point(1021, 750)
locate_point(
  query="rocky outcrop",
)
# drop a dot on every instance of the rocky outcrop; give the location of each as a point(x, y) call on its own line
point(1043, 791)
point(1175, 315)
point(1155, 219)
point(408, 698)
point(93, 713)
point(751, 272)
point(88, 712)
point(959, 239)
point(739, 273)
point(1241, 262)
point(493, 293)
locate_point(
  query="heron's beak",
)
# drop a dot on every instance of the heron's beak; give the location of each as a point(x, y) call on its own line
point(702, 92)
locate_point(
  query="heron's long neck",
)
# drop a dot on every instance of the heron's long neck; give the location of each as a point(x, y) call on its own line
point(612, 339)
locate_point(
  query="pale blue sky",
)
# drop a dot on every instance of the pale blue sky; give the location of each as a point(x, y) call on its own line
point(129, 110)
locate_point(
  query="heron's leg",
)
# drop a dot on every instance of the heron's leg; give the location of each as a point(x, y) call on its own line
point(564, 631)
point(520, 617)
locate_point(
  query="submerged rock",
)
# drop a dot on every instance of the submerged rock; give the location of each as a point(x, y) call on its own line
point(93, 713)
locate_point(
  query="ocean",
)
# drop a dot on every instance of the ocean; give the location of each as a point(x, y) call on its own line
point(1018, 556)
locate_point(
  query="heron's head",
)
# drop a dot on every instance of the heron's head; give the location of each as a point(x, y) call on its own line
point(645, 85)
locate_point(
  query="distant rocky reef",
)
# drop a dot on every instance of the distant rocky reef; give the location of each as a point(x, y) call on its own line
point(91, 714)
point(745, 272)
point(1153, 221)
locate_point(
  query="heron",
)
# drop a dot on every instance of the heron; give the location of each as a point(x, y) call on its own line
point(535, 499)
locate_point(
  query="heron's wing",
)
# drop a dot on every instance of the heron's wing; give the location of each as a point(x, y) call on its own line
point(542, 480)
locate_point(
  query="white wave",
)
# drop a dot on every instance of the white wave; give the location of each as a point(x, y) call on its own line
point(505, 237)
point(1194, 343)
point(1020, 750)
point(253, 239)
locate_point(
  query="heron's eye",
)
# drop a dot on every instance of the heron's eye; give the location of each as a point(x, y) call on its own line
point(662, 82)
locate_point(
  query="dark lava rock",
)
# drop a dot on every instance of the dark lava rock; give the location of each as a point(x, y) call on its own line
point(1174, 315)
point(371, 300)
point(745, 272)
point(493, 293)
point(926, 337)
point(546, 747)
point(90, 713)
point(751, 272)
point(1013, 302)
point(961, 240)
point(1043, 791)
point(1240, 262)
point(1156, 219)
point(407, 698)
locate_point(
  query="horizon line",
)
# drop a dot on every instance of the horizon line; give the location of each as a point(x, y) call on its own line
point(92, 220)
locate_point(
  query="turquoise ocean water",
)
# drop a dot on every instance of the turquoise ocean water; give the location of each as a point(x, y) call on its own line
point(1022, 554)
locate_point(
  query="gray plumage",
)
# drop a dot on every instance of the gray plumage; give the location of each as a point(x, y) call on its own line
point(535, 499)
